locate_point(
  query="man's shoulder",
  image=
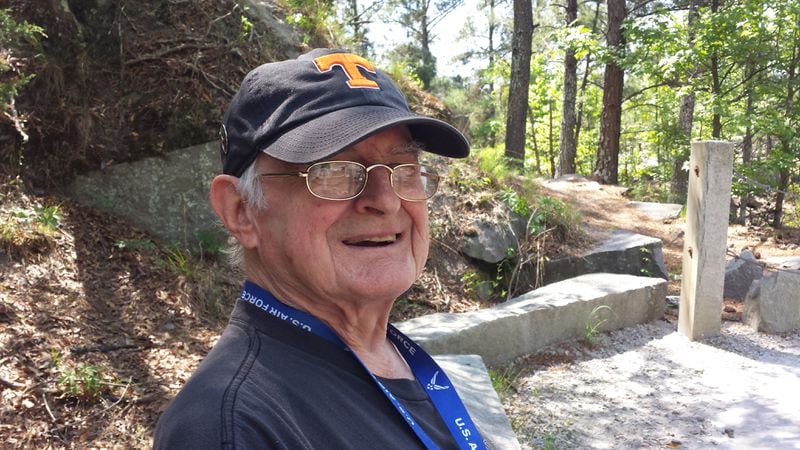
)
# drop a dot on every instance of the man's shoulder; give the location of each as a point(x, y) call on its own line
point(195, 417)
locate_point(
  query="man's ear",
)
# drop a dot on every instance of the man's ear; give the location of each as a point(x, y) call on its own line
point(233, 210)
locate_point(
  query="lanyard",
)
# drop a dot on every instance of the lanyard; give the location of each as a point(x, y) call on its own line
point(437, 384)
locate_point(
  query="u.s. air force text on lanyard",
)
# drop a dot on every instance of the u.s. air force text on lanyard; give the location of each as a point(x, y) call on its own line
point(437, 385)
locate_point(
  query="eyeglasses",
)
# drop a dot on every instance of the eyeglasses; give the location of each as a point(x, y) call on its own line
point(345, 180)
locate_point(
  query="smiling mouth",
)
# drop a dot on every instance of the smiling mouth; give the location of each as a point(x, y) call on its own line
point(378, 241)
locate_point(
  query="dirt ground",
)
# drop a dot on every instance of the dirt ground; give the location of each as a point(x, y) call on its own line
point(100, 326)
point(608, 207)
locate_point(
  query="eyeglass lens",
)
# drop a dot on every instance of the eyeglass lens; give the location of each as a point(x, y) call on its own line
point(341, 180)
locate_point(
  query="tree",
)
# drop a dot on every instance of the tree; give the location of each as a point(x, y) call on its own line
point(356, 20)
point(567, 143)
point(679, 183)
point(418, 18)
point(520, 80)
point(585, 81)
point(607, 160)
point(491, 45)
point(15, 37)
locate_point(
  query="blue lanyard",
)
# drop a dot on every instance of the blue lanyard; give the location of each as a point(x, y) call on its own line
point(437, 384)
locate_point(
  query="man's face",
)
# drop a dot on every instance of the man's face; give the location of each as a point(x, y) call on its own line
point(369, 248)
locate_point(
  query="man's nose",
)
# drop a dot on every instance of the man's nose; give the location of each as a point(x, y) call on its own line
point(378, 195)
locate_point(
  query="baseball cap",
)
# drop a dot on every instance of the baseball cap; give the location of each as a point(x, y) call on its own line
point(310, 108)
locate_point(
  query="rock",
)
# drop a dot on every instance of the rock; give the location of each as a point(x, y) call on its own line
point(493, 240)
point(621, 252)
point(471, 379)
point(784, 262)
point(740, 274)
point(552, 314)
point(773, 303)
point(167, 195)
point(658, 211)
point(490, 242)
point(673, 301)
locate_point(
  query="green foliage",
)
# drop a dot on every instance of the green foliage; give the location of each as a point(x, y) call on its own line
point(135, 244)
point(471, 281)
point(494, 163)
point(211, 244)
point(792, 216)
point(180, 261)
point(13, 36)
point(515, 202)
point(247, 27)
point(87, 382)
point(48, 218)
point(646, 256)
point(593, 323)
point(316, 19)
point(503, 380)
point(418, 63)
point(556, 213)
point(29, 225)
point(649, 191)
point(465, 182)
point(402, 71)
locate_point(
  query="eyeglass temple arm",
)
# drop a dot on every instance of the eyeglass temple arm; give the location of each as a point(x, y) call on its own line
point(284, 174)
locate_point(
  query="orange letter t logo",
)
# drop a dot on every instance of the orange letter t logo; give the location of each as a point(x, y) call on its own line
point(350, 64)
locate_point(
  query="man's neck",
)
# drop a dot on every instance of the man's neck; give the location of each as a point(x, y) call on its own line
point(361, 326)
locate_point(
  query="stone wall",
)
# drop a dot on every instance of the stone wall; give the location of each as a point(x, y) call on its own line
point(167, 195)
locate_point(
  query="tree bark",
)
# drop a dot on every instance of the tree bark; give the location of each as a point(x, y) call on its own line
point(716, 85)
point(680, 178)
point(785, 173)
point(611, 119)
point(747, 153)
point(520, 80)
point(585, 80)
point(567, 145)
point(679, 181)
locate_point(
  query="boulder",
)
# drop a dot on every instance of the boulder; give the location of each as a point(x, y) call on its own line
point(773, 303)
point(490, 242)
point(784, 262)
point(658, 211)
point(496, 238)
point(740, 273)
point(621, 251)
point(166, 195)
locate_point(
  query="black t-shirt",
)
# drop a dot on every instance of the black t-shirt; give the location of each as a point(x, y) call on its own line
point(269, 385)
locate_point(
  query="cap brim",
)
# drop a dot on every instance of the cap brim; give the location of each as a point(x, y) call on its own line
point(332, 133)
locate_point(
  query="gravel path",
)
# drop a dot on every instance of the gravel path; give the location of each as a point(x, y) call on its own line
point(649, 387)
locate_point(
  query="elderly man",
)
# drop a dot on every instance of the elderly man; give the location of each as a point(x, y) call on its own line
point(323, 190)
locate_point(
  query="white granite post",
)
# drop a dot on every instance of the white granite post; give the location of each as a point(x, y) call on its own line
point(705, 241)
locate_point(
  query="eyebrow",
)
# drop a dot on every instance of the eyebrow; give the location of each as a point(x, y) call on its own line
point(410, 148)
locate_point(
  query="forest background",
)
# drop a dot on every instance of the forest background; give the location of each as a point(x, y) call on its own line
point(614, 90)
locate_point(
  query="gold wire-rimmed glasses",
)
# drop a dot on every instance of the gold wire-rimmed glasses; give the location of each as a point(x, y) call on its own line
point(346, 180)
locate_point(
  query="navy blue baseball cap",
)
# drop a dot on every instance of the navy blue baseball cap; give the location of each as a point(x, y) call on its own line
point(310, 108)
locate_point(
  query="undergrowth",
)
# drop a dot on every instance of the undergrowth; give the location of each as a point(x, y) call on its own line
point(488, 180)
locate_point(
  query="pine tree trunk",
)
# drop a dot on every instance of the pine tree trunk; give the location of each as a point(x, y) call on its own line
point(520, 80)
point(680, 178)
point(611, 119)
point(567, 146)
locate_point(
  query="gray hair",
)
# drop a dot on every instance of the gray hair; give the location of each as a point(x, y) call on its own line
point(251, 192)
point(250, 188)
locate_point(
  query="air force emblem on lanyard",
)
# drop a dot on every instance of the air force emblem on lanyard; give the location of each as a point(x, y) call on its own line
point(432, 386)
